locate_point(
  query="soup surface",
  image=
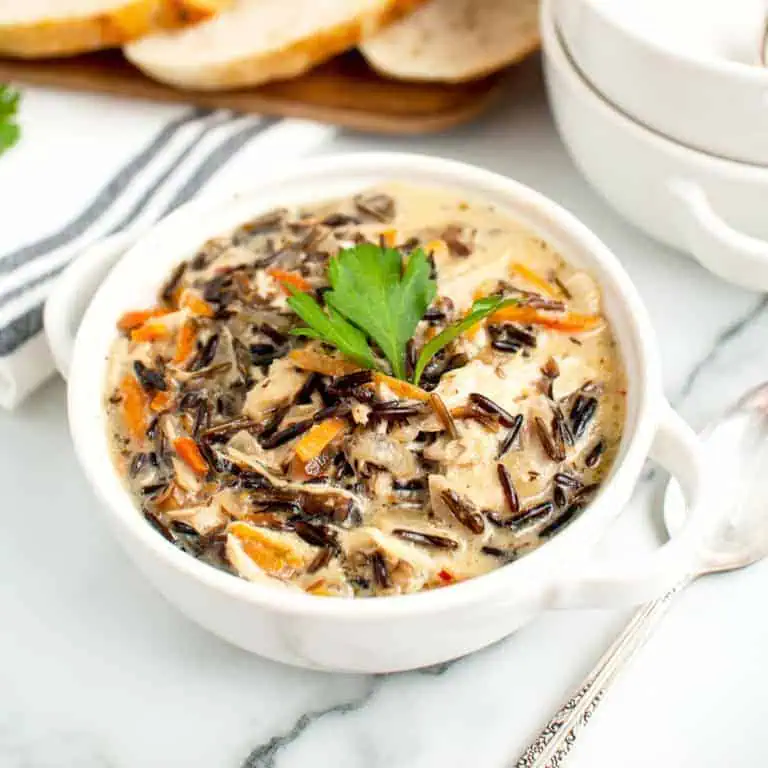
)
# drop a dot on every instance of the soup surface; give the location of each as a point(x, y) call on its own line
point(286, 459)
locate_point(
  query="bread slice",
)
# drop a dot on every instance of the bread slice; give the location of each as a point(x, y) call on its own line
point(44, 28)
point(260, 40)
point(456, 40)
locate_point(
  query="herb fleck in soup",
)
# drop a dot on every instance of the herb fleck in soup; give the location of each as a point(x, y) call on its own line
point(370, 396)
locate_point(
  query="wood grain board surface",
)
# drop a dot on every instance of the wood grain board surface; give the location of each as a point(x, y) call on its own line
point(344, 91)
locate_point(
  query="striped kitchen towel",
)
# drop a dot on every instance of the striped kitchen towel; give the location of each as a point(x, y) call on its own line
point(88, 167)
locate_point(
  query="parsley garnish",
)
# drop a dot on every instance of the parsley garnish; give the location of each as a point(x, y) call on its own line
point(372, 298)
point(480, 310)
point(9, 128)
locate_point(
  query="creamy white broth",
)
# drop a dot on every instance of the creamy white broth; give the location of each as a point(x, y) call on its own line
point(392, 505)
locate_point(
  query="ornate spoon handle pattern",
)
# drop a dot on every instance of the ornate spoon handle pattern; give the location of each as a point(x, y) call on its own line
point(550, 748)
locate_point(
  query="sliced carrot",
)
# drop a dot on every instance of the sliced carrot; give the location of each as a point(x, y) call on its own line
point(132, 320)
point(294, 279)
point(187, 450)
point(544, 286)
point(134, 403)
point(172, 501)
point(437, 248)
point(570, 322)
point(319, 588)
point(269, 555)
point(160, 401)
point(389, 237)
point(317, 362)
point(195, 304)
point(152, 330)
point(185, 343)
point(402, 388)
point(314, 442)
point(297, 470)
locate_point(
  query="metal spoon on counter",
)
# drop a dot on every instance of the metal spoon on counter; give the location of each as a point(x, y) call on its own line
point(737, 447)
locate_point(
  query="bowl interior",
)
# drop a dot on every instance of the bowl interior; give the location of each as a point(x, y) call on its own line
point(717, 33)
point(135, 281)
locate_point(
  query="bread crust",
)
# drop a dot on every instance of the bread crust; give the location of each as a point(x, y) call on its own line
point(72, 35)
point(68, 36)
point(391, 53)
point(264, 66)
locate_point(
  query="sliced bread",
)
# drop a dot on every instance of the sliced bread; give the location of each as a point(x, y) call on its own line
point(43, 28)
point(455, 40)
point(255, 41)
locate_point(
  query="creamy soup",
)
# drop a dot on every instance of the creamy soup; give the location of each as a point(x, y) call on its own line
point(281, 459)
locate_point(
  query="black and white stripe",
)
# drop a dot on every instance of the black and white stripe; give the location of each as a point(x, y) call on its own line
point(170, 170)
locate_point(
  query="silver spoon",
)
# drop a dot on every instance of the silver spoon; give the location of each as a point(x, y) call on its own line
point(737, 446)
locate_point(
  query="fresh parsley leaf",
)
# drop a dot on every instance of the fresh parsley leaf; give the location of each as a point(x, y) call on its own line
point(371, 290)
point(480, 310)
point(9, 128)
point(331, 328)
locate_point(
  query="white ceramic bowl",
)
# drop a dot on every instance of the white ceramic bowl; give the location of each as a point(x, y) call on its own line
point(390, 633)
point(686, 68)
point(710, 208)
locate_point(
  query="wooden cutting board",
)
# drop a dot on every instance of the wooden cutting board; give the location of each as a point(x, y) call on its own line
point(344, 91)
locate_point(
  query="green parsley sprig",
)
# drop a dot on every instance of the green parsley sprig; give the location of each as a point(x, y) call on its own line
point(9, 106)
point(372, 298)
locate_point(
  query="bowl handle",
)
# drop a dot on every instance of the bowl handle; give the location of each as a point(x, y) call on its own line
point(715, 244)
point(73, 292)
point(676, 448)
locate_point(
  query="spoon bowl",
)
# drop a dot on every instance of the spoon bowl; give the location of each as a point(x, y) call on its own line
point(736, 447)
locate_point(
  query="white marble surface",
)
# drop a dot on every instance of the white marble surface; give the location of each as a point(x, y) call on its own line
point(97, 670)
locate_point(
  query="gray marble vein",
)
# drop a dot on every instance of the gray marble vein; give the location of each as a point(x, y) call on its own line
point(265, 755)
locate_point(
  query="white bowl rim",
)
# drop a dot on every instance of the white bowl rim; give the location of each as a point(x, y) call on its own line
point(556, 48)
point(746, 72)
point(647, 390)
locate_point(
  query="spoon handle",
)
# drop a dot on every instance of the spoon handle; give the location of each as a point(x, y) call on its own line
point(550, 748)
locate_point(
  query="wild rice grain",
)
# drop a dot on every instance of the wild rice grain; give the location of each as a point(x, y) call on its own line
point(581, 420)
point(380, 570)
point(321, 559)
point(158, 525)
point(593, 457)
point(511, 437)
point(506, 419)
point(553, 449)
point(463, 510)
point(534, 514)
point(166, 294)
point(444, 415)
point(508, 488)
point(426, 539)
point(560, 522)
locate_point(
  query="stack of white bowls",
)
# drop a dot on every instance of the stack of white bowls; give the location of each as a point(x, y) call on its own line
point(663, 105)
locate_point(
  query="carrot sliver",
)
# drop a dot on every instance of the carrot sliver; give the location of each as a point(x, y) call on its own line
point(196, 305)
point(187, 450)
point(534, 279)
point(389, 237)
point(134, 402)
point(271, 556)
point(152, 330)
point(185, 343)
point(569, 322)
point(402, 388)
point(314, 442)
point(160, 401)
point(129, 321)
point(317, 362)
point(285, 278)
